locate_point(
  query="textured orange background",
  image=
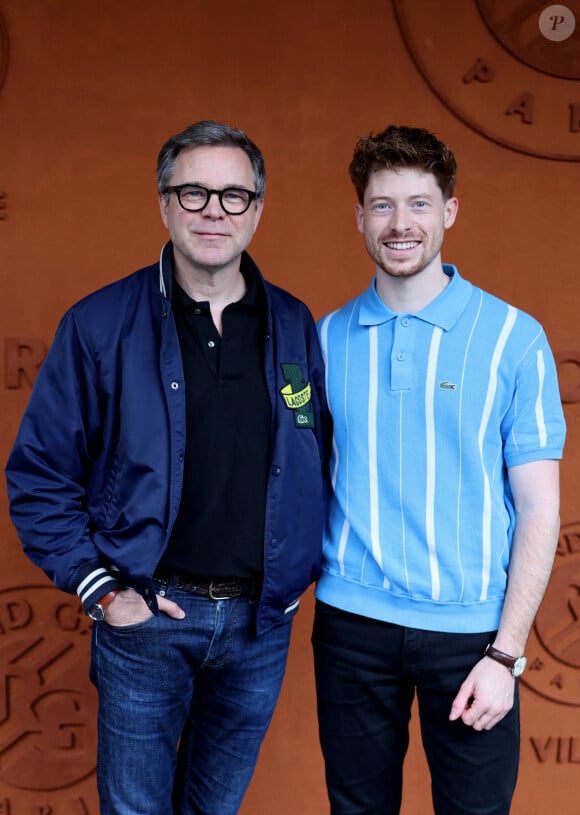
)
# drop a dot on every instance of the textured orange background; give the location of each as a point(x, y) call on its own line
point(94, 89)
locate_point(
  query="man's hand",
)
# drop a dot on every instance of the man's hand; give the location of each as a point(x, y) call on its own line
point(129, 608)
point(485, 697)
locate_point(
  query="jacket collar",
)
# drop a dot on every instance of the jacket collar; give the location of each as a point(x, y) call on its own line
point(165, 270)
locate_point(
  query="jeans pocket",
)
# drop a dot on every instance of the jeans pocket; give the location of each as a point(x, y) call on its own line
point(137, 626)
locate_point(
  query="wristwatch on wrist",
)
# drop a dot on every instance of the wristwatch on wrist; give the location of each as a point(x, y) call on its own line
point(516, 665)
point(97, 610)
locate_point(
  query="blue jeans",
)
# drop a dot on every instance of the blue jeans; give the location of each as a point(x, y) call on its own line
point(367, 674)
point(184, 706)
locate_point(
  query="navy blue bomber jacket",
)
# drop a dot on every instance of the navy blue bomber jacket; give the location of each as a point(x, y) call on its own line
point(95, 475)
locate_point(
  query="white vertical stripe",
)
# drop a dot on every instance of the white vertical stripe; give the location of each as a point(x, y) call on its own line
point(542, 432)
point(401, 502)
point(324, 348)
point(372, 442)
point(460, 449)
point(489, 399)
point(324, 345)
point(430, 461)
point(344, 532)
point(346, 525)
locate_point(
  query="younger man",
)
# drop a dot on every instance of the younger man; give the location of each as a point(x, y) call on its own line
point(444, 520)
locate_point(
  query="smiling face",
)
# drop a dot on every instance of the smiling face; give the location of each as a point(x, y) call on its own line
point(211, 240)
point(403, 219)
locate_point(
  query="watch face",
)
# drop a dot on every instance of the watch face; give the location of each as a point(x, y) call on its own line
point(519, 666)
point(97, 612)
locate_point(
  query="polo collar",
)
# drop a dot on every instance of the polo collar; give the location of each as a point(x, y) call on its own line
point(254, 297)
point(443, 312)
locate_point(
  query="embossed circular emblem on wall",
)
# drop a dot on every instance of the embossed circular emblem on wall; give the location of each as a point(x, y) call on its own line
point(3, 50)
point(553, 648)
point(47, 704)
point(508, 70)
point(529, 34)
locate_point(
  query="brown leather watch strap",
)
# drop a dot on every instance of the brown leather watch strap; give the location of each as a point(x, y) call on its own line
point(106, 601)
point(500, 656)
point(516, 665)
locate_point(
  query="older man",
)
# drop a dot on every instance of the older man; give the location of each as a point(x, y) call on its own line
point(169, 470)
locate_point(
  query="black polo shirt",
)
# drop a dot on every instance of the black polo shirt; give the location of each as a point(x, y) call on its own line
point(219, 532)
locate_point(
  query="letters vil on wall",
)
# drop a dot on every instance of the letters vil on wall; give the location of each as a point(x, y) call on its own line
point(508, 70)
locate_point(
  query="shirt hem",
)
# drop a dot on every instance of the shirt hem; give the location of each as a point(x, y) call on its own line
point(421, 613)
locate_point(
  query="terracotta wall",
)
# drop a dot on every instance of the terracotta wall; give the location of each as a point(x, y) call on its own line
point(88, 93)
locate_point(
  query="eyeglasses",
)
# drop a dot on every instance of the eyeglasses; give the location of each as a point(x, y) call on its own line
point(194, 198)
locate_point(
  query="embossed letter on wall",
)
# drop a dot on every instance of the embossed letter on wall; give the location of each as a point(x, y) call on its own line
point(508, 70)
point(47, 704)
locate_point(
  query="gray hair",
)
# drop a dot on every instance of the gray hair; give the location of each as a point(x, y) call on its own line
point(208, 132)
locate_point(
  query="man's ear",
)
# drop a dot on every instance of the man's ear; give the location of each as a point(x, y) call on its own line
point(258, 209)
point(451, 207)
point(360, 217)
point(163, 204)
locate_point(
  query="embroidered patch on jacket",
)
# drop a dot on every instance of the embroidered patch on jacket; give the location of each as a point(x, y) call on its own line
point(297, 395)
point(447, 386)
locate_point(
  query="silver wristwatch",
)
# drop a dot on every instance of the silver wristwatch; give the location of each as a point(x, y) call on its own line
point(97, 610)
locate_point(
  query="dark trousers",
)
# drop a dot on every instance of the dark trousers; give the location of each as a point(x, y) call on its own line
point(367, 673)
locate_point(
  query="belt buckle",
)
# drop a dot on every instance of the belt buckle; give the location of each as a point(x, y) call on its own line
point(216, 596)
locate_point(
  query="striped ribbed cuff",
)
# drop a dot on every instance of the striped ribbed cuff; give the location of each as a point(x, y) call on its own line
point(95, 586)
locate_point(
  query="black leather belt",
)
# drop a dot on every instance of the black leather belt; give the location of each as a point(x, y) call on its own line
point(214, 589)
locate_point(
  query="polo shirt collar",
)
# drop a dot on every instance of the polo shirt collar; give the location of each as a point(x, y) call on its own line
point(444, 311)
point(253, 298)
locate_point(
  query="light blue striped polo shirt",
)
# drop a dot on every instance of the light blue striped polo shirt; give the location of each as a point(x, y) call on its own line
point(429, 409)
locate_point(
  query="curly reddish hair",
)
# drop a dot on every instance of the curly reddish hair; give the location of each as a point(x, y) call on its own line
point(397, 147)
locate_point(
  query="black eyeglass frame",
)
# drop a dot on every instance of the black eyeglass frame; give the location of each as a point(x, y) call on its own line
point(177, 189)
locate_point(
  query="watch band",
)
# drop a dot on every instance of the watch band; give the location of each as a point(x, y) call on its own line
point(106, 601)
point(514, 664)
